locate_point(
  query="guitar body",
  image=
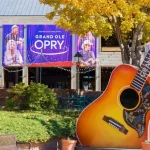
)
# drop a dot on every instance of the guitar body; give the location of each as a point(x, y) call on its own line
point(109, 122)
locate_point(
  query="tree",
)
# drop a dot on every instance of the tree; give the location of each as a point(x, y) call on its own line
point(129, 20)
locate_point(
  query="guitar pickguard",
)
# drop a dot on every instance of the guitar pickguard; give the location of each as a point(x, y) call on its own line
point(136, 118)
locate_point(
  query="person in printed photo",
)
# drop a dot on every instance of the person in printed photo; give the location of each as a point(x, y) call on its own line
point(14, 35)
point(88, 36)
point(88, 56)
point(12, 56)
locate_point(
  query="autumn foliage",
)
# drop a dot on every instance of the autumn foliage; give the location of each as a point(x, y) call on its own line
point(127, 19)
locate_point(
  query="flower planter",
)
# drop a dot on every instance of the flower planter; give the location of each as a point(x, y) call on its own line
point(51, 144)
point(68, 144)
point(145, 146)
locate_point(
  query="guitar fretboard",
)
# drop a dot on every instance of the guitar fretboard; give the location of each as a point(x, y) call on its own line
point(142, 74)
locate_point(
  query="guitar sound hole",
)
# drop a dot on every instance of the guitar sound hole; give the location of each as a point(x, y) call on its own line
point(129, 98)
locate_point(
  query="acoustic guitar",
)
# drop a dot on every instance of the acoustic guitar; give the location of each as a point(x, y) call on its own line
point(119, 117)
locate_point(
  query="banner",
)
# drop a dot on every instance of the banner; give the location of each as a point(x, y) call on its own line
point(147, 48)
point(48, 45)
point(13, 45)
point(86, 46)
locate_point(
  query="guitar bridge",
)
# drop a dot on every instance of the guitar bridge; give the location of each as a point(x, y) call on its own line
point(115, 124)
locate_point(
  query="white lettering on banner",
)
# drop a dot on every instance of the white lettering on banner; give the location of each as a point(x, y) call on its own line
point(60, 44)
point(46, 43)
point(38, 36)
point(39, 44)
point(59, 36)
point(47, 36)
point(53, 44)
point(35, 44)
point(50, 36)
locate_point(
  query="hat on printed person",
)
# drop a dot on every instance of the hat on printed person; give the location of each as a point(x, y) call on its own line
point(86, 42)
point(14, 26)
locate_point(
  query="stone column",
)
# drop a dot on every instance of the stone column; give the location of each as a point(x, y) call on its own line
point(2, 84)
point(98, 68)
point(37, 74)
point(25, 68)
point(16, 76)
point(73, 68)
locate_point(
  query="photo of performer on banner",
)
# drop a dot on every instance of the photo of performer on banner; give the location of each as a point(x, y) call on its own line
point(13, 45)
point(86, 46)
point(12, 56)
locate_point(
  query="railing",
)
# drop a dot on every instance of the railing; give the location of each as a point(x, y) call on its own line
point(69, 99)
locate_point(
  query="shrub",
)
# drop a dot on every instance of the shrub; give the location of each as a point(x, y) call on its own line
point(63, 127)
point(16, 96)
point(36, 96)
point(40, 97)
point(24, 129)
point(36, 126)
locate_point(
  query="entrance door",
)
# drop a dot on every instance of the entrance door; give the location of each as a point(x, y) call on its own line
point(87, 81)
point(56, 78)
point(105, 75)
point(12, 76)
point(53, 77)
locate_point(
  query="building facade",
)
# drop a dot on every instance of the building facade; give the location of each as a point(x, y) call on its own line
point(31, 12)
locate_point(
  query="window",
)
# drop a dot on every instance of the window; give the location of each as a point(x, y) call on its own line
point(105, 75)
point(111, 44)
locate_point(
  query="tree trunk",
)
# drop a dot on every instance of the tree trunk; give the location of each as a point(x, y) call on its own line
point(136, 46)
point(126, 54)
point(117, 30)
point(129, 55)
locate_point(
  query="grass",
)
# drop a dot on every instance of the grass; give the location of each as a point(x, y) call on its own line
point(35, 126)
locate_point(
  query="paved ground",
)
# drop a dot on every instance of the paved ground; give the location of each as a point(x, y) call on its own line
point(88, 148)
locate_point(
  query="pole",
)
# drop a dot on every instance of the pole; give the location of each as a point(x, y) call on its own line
point(78, 77)
point(78, 80)
point(40, 74)
point(41, 68)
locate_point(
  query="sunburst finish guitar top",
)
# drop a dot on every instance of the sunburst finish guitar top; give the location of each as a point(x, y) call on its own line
point(119, 117)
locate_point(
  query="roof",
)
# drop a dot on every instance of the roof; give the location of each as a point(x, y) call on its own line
point(23, 8)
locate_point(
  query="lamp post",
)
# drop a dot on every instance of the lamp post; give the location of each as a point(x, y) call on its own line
point(41, 66)
point(78, 56)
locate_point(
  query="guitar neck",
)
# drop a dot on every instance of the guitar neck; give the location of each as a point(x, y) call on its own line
point(142, 74)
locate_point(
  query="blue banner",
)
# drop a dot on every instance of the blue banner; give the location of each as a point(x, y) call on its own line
point(48, 45)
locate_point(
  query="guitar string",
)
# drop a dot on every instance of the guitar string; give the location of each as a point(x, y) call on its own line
point(142, 73)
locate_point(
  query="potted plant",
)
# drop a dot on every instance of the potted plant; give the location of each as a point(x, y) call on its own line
point(64, 129)
point(146, 145)
point(68, 140)
point(68, 144)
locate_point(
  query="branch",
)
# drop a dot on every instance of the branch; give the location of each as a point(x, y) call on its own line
point(135, 43)
point(119, 38)
point(135, 37)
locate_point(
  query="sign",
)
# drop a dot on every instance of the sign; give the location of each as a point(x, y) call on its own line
point(86, 46)
point(13, 45)
point(48, 45)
